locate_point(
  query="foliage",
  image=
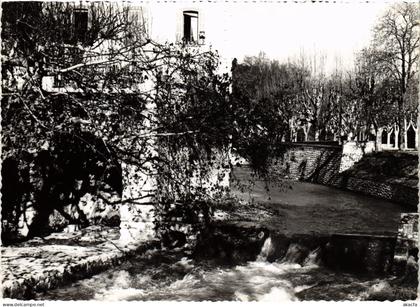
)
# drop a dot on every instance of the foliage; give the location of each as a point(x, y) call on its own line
point(292, 101)
point(121, 95)
point(264, 93)
point(396, 53)
point(119, 98)
point(299, 101)
point(53, 181)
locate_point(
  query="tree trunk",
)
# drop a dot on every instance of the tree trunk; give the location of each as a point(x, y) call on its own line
point(401, 122)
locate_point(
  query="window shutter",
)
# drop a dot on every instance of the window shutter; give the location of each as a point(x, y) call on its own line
point(179, 27)
point(80, 24)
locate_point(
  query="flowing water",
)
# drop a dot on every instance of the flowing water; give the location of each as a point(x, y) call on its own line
point(181, 275)
point(308, 207)
point(174, 275)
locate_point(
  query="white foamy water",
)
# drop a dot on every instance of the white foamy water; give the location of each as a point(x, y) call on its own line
point(255, 281)
point(188, 280)
point(178, 278)
point(265, 250)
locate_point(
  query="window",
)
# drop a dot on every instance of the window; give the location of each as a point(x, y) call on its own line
point(190, 26)
point(58, 81)
point(80, 24)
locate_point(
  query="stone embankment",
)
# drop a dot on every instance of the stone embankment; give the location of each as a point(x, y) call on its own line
point(387, 175)
point(41, 264)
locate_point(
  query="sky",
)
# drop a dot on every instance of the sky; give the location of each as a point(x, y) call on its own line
point(280, 30)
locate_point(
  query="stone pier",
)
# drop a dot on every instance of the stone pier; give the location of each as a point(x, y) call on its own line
point(136, 209)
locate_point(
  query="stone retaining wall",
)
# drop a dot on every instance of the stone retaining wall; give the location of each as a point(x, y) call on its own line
point(389, 191)
point(326, 164)
point(309, 162)
point(41, 264)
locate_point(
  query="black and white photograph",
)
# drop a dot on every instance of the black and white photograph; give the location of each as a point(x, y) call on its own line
point(209, 151)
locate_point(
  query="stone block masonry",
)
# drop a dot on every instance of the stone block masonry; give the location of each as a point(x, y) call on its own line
point(42, 264)
point(309, 162)
point(390, 191)
point(327, 165)
point(136, 209)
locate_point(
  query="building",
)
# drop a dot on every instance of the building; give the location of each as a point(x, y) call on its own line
point(387, 138)
point(184, 27)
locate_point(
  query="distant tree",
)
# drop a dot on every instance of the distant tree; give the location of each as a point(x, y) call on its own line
point(264, 96)
point(369, 98)
point(396, 50)
point(319, 99)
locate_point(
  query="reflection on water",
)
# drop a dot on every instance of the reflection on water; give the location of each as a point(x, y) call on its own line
point(172, 275)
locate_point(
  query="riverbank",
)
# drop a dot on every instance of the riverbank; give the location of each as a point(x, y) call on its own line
point(60, 258)
point(295, 207)
point(245, 264)
point(388, 175)
point(394, 167)
point(287, 208)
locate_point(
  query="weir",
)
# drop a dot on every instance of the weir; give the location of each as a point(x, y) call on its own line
point(365, 254)
point(266, 237)
point(247, 264)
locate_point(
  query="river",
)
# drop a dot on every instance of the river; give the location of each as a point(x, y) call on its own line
point(302, 208)
point(175, 276)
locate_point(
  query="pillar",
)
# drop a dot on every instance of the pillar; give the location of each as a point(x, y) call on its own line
point(388, 143)
point(139, 185)
point(136, 209)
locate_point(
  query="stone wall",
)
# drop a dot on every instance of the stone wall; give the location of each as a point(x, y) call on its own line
point(390, 191)
point(65, 186)
point(143, 211)
point(354, 152)
point(37, 265)
point(309, 162)
point(327, 164)
point(136, 208)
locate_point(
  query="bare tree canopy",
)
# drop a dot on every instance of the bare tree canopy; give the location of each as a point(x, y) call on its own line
point(396, 41)
point(396, 50)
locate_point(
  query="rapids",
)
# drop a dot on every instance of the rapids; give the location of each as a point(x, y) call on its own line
point(172, 275)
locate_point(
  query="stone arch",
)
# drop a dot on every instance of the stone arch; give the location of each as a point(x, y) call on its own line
point(384, 137)
point(300, 135)
point(411, 137)
point(371, 136)
point(392, 139)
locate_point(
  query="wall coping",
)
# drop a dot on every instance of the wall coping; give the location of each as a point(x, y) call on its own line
point(311, 144)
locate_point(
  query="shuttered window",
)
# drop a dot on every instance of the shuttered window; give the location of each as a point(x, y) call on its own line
point(190, 26)
point(80, 24)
